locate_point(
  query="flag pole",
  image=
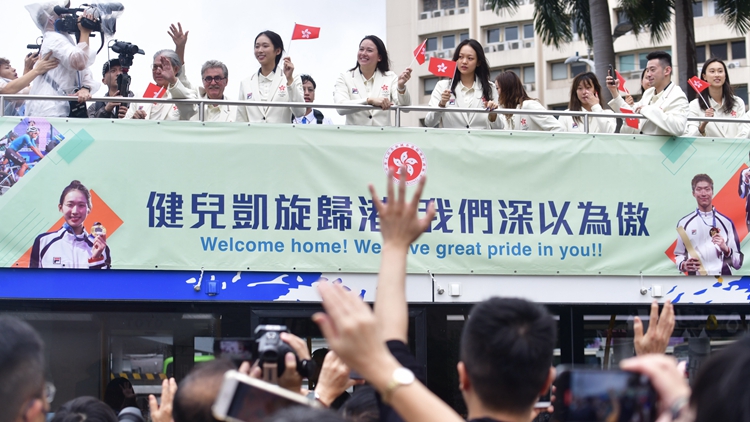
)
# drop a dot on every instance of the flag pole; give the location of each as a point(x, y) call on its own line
point(699, 95)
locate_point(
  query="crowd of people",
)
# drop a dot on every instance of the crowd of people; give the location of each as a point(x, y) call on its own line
point(506, 355)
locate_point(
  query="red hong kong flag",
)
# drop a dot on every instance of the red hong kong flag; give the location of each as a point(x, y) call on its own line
point(699, 85)
point(630, 122)
point(154, 91)
point(419, 52)
point(302, 32)
point(621, 81)
point(441, 67)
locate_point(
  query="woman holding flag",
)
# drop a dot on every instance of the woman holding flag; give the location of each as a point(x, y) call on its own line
point(468, 87)
point(271, 83)
point(715, 99)
point(371, 82)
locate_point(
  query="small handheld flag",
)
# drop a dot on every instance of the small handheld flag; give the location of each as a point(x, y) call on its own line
point(303, 32)
point(442, 67)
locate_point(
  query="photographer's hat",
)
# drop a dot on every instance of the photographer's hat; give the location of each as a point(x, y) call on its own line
point(109, 64)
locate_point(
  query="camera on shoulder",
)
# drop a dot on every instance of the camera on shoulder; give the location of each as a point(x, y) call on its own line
point(272, 351)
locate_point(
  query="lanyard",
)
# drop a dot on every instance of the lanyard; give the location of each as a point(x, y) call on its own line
point(713, 212)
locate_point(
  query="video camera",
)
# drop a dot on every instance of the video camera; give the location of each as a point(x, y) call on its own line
point(126, 53)
point(272, 350)
point(104, 19)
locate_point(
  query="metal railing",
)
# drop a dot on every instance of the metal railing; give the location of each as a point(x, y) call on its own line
point(202, 102)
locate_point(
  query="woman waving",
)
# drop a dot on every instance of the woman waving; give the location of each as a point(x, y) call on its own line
point(470, 88)
point(371, 82)
point(271, 83)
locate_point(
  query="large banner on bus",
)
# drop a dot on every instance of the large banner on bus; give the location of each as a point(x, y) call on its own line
point(188, 195)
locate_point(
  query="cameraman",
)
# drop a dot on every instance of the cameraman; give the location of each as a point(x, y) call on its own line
point(102, 110)
point(72, 77)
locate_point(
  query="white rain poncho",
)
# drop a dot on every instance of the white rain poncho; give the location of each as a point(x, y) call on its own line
point(73, 71)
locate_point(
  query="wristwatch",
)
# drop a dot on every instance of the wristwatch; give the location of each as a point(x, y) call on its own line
point(401, 376)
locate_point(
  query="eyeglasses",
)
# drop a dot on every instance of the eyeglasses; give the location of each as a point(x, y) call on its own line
point(218, 79)
point(49, 391)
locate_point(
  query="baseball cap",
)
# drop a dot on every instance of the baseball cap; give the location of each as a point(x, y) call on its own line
point(109, 64)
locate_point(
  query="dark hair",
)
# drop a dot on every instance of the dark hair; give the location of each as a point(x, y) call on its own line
point(308, 78)
point(641, 81)
point(589, 80)
point(109, 65)
point(115, 398)
point(197, 392)
point(362, 406)
point(4, 61)
point(275, 40)
point(506, 348)
point(384, 64)
point(86, 409)
point(727, 93)
point(21, 366)
point(304, 414)
point(720, 391)
point(701, 178)
point(512, 92)
point(76, 185)
point(662, 56)
point(482, 71)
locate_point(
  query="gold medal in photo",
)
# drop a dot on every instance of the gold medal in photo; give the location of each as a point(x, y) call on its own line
point(98, 229)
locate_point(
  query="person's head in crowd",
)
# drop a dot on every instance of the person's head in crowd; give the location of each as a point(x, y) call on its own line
point(506, 357)
point(362, 406)
point(198, 391)
point(22, 390)
point(510, 90)
point(470, 59)
point(584, 92)
point(659, 69)
point(715, 72)
point(268, 50)
point(6, 70)
point(215, 76)
point(645, 84)
point(319, 355)
point(304, 414)
point(85, 409)
point(156, 69)
point(119, 394)
point(75, 205)
point(308, 88)
point(720, 390)
point(372, 55)
point(110, 72)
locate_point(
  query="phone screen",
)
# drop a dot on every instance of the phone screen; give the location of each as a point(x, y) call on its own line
point(592, 396)
point(251, 404)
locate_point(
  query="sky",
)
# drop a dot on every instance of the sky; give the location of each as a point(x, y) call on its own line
point(225, 30)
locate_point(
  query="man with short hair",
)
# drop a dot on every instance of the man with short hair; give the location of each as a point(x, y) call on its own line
point(710, 233)
point(311, 116)
point(215, 77)
point(100, 109)
point(23, 392)
point(665, 105)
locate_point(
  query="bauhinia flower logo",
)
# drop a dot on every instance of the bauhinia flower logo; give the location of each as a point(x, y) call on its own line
point(306, 33)
point(408, 158)
point(442, 68)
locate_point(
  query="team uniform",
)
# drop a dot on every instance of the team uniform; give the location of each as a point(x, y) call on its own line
point(211, 112)
point(465, 97)
point(666, 112)
point(698, 225)
point(521, 121)
point(744, 191)
point(166, 111)
point(11, 153)
point(714, 129)
point(596, 124)
point(352, 88)
point(312, 118)
point(65, 249)
point(270, 88)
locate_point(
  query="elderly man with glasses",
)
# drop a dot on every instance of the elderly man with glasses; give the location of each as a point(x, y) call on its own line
point(215, 76)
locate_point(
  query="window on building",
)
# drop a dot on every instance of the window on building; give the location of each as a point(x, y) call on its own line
point(719, 51)
point(449, 41)
point(559, 71)
point(622, 17)
point(700, 54)
point(516, 70)
point(697, 9)
point(738, 50)
point(714, 8)
point(448, 4)
point(529, 76)
point(431, 44)
point(627, 62)
point(494, 73)
point(463, 36)
point(511, 33)
point(429, 85)
point(741, 91)
point(463, 3)
point(578, 68)
point(528, 31)
point(642, 61)
point(429, 5)
point(493, 35)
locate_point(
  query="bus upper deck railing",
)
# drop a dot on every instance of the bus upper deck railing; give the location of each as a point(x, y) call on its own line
point(201, 102)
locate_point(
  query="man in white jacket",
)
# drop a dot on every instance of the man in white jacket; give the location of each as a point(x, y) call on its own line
point(665, 105)
point(215, 77)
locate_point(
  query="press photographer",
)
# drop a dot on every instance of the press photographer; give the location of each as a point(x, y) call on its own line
point(67, 33)
point(117, 79)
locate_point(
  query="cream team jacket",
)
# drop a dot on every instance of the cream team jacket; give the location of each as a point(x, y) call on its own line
point(278, 92)
point(596, 124)
point(666, 113)
point(459, 100)
point(166, 111)
point(350, 88)
point(521, 121)
point(713, 129)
